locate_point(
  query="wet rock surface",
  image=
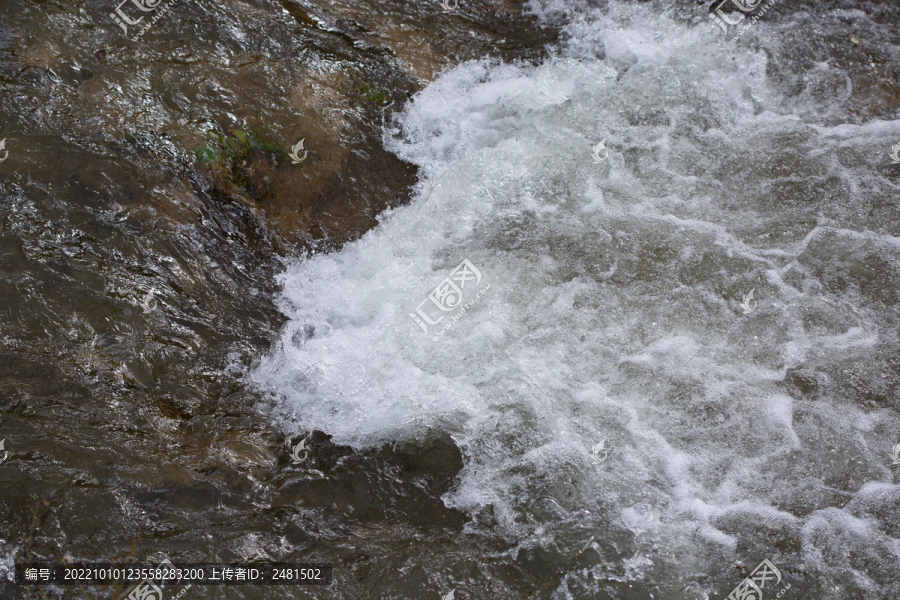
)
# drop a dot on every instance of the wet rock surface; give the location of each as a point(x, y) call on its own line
point(147, 199)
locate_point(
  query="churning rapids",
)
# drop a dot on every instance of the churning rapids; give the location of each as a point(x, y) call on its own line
point(604, 304)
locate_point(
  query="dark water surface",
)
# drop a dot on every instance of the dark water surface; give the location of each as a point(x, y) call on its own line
point(180, 303)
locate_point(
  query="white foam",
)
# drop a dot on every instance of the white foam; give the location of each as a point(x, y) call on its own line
point(614, 304)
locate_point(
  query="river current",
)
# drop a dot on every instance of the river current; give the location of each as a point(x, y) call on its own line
point(565, 299)
point(664, 357)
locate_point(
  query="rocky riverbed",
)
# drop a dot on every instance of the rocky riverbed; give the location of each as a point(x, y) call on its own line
point(170, 252)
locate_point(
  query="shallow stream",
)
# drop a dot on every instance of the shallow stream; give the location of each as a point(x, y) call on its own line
point(609, 307)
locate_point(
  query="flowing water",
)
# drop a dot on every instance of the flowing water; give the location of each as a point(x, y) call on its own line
point(634, 332)
point(612, 311)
